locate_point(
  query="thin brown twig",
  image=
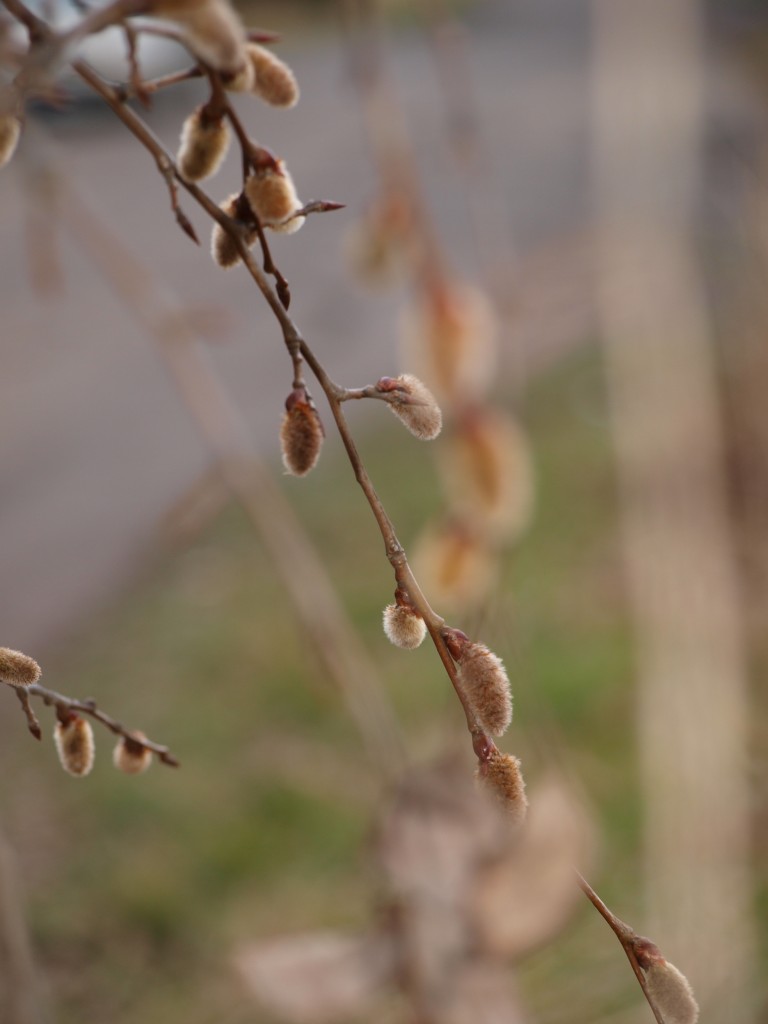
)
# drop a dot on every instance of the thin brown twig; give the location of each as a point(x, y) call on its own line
point(626, 936)
point(293, 339)
point(89, 707)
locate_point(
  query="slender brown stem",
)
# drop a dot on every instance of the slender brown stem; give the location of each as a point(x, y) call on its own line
point(89, 707)
point(626, 936)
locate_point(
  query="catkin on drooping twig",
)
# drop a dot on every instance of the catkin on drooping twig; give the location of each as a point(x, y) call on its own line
point(301, 434)
point(10, 133)
point(212, 30)
point(18, 669)
point(204, 144)
point(272, 195)
point(223, 248)
point(414, 404)
point(74, 744)
point(131, 756)
point(273, 80)
point(484, 680)
point(502, 776)
point(456, 564)
point(668, 987)
point(403, 625)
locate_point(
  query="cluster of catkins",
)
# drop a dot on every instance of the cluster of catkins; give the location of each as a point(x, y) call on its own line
point(73, 734)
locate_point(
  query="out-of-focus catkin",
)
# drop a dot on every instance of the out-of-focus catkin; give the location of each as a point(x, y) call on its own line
point(131, 756)
point(223, 248)
point(484, 680)
point(74, 745)
point(667, 986)
point(10, 133)
point(273, 80)
point(403, 625)
point(449, 338)
point(456, 564)
point(301, 434)
point(272, 196)
point(212, 30)
point(414, 404)
point(204, 144)
point(487, 471)
point(18, 669)
point(503, 779)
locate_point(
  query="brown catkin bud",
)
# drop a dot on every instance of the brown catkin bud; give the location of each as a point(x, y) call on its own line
point(457, 565)
point(272, 195)
point(204, 144)
point(301, 434)
point(484, 680)
point(501, 775)
point(10, 133)
point(668, 987)
point(273, 80)
point(131, 756)
point(223, 248)
point(403, 625)
point(74, 745)
point(18, 669)
point(414, 404)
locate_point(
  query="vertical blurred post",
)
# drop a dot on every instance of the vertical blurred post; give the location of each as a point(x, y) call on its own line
point(667, 425)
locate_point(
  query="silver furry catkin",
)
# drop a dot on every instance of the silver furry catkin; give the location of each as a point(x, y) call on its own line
point(301, 434)
point(414, 404)
point(74, 745)
point(273, 80)
point(668, 987)
point(18, 669)
point(501, 775)
point(484, 680)
point(272, 196)
point(403, 625)
point(203, 146)
point(131, 756)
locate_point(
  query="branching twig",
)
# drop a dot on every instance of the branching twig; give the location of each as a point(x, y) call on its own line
point(86, 707)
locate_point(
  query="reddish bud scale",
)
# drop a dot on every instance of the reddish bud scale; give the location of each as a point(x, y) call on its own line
point(74, 745)
point(18, 669)
point(131, 756)
point(301, 434)
point(273, 80)
point(502, 776)
point(204, 144)
point(414, 404)
point(10, 132)
point(272, 196)
point(484, 680)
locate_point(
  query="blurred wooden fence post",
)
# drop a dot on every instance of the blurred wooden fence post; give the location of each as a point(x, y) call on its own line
point(692, 704)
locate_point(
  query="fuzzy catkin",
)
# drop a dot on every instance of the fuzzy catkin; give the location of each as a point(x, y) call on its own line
point(672, 993)
point(10, 133)
point(212, 30)
point(224, 251)
point(203, 146)
point(501, 775)
point(273, 80)
point(414, 404)
point(74, 745)
point(272, 195)
point(301, 435)
point(486, 684)
point(18, 669)
point(403, 626)
point(131, 756)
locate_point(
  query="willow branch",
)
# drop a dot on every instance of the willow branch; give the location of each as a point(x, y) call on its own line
point(87, 707)
point(626, 936)
point(294, 340)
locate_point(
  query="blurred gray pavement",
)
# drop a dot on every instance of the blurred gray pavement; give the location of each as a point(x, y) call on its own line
point(95, 443)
